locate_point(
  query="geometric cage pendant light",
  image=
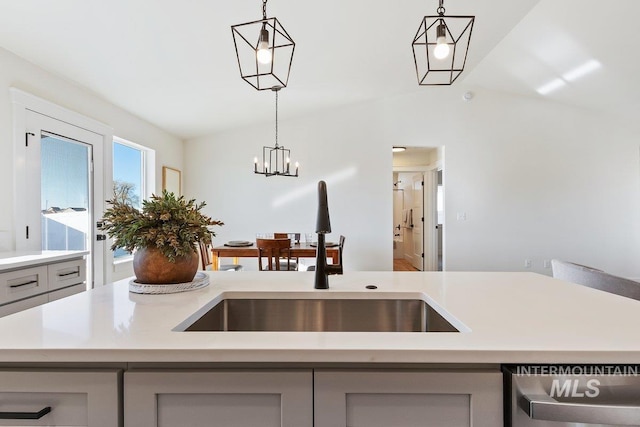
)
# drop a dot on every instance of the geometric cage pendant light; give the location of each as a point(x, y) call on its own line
point(264, 50)
point(440, 47)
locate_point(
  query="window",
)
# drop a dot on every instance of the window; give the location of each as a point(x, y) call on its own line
point(131, 162)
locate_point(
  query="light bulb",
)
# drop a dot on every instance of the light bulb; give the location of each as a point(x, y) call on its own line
point(263, 53)
point(441, 50)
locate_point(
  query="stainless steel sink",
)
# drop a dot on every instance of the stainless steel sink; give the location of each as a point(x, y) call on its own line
point(321, 315)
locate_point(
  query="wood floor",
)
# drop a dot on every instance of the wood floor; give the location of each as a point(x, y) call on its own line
point(402, 265)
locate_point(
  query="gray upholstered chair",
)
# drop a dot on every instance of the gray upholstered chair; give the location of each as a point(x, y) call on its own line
point(595, 278)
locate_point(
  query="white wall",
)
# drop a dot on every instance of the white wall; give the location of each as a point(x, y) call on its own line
point(330, 148)
point(16, 72)
point(537, 180)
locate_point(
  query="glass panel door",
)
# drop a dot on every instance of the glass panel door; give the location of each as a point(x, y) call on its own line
point(65, 195)
point(65, 176)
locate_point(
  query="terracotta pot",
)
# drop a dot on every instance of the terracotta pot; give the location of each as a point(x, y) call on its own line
point(151, 266)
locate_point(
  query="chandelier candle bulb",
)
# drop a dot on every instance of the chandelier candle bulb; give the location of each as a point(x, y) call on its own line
point(255, 164)
point(297, 166)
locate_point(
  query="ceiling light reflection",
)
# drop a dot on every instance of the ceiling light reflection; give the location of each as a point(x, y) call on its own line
point(554, 84)
point(569, 76)
point(581, 70)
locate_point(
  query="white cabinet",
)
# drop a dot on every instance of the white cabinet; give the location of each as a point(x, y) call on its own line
point(218, 398)
point(32, 286)
point(407, 398)
point(24, 283)
point(65, 274)
point(60, 398)
point(324, 398)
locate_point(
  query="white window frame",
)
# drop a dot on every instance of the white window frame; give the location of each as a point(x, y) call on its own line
point(123, 266)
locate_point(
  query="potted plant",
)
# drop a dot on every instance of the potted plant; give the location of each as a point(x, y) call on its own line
point(162, 236)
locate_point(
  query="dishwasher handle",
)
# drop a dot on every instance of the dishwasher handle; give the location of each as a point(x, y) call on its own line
point(544, 407)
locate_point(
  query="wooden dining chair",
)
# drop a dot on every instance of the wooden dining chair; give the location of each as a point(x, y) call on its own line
point(205, 259)
point(294, 260)
point(340, 249)
point(276, 251)
point(296, 236)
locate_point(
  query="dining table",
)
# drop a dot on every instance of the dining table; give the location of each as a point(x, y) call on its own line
point(298, 250)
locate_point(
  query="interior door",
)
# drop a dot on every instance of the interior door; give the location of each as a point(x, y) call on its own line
point(417, 215)
point(67, 188)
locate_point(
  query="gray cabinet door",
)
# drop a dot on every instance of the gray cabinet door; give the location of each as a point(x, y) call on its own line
point(407, 399)
point(75, 398)
point(218, 398)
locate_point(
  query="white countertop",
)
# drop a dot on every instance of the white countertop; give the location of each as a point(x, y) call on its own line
point(510, 318)
point(21, 259)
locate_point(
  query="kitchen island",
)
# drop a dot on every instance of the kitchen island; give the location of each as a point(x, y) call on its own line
point(516, 318)
point(504, 318)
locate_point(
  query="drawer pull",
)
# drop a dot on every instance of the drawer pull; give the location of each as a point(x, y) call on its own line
point(24, 284)
point(76, 272)
point(25, 415)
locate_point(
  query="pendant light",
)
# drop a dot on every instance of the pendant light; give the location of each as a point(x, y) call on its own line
point(264, 50)
point(276, 160)
point(440, 47)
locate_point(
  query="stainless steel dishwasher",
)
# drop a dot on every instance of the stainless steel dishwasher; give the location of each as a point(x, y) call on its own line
point(571, 395)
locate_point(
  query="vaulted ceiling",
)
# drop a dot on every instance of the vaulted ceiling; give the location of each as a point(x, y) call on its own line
point(173, 63)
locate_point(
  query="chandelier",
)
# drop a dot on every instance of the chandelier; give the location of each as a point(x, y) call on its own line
point(264, 50)
point(440, 47)
point(276, 160)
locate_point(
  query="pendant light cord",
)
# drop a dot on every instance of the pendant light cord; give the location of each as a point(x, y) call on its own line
point(440, 8)
point(264, 9)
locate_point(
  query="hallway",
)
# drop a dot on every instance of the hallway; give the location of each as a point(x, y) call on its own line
point(402, 265)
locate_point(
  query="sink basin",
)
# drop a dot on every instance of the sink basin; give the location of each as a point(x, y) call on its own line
point(320, 315)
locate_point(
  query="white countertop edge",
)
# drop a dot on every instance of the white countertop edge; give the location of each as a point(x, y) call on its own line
point(16, 259)
point(315, 356)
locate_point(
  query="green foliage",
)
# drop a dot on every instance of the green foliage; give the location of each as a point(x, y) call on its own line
point(173, 225)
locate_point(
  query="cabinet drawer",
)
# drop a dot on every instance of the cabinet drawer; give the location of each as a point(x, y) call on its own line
point(24, 304)
point(65, 292)
point(19, 284)
point(63, 274)
point(75, 398)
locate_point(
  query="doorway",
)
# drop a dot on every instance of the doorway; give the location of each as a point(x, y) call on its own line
point(66, 190)
point(418, 209)
point(59, 181)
